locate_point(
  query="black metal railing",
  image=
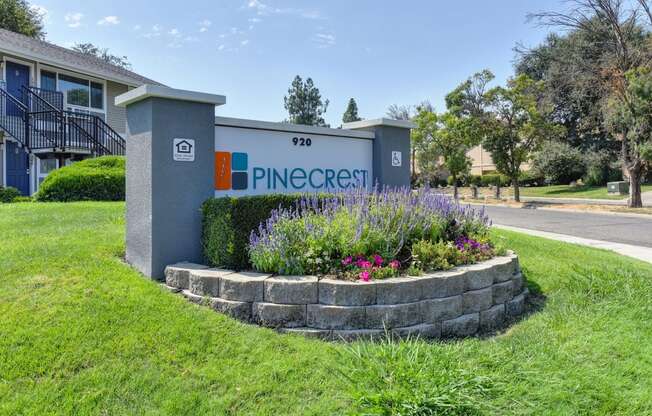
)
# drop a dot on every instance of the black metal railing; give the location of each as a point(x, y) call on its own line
point(13, 116)
point(37, 123)
point(106, 137)
point(54, 98)
point(46, 124)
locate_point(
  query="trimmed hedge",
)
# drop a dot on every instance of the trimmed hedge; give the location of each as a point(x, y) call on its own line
point(99, 179)
point(228, 223)
point(494, 179)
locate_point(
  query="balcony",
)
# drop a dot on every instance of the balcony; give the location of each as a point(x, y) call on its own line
point(38, 121)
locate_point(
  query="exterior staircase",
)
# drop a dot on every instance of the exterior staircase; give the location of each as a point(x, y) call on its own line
point(38, 122)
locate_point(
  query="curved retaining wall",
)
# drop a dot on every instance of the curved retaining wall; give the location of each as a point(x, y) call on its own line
point(455, 303)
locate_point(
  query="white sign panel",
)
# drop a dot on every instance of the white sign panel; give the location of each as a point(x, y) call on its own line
point(252, 161)
point(397, 159)
point(183, 150)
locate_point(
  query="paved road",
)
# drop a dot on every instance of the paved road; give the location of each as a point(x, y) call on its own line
point(605, 227)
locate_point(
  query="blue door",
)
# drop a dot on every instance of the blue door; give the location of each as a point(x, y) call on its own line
point(17, 167)
point(17, 76)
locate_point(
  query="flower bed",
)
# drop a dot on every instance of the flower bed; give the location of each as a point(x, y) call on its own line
point(357, 235)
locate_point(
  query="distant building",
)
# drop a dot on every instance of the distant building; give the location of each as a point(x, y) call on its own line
point(483, 163)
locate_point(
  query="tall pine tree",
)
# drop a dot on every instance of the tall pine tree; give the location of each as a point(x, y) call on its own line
point(304, 103)
point(351, 113)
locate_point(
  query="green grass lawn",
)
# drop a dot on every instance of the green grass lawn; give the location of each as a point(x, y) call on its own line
point(565, 191)
point(81, 333)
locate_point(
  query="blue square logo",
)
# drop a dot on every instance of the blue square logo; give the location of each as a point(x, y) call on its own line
point(239, 180)
point(239, 161)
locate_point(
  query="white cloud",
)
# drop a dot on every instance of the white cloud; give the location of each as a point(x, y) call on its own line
point(41, 11)
point(73, 19)
point(244, 42)
point(154, 33)
point(204, 25)
point(137, 27)
point(255, 20)
point(324, 40)
point(263, 9)
point(174, 32)
point(221, 47)
point(109, 20)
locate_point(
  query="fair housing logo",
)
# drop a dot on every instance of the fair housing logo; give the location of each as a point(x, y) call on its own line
point(232, 173)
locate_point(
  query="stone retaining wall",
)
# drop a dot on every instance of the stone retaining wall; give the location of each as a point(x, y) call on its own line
point(455, 303)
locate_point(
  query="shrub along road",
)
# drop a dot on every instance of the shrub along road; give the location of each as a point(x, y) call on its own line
point(82, 333)
point(606, 227)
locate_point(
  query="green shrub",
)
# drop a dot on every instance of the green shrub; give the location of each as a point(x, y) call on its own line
point(9, 194)
point(531, 178)
point(100, 179)
point(228, 223)
point(428, 255)
point(559, 163)
point(601, 167)
point(493, 179)
point(474, 180)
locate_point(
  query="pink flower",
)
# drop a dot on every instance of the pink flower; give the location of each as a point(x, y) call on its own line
point(364, 264)
point(347, 261)
point(395, 264)
point(364, 276)
point(378, 260)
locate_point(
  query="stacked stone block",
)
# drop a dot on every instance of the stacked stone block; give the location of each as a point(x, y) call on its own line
point(456, 303)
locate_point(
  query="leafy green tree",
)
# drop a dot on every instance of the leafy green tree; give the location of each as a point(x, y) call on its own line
point(304, 103)
point(448, 137)
point(468, 99)
point(351, 113)
point(629, 117)
point(517, 126)
point(103, 54)
point(620, 29)
point(19, 17)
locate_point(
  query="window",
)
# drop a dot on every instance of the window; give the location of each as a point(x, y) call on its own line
point(79, 94)
point(48, 80)
point(45, 166)
point(97, 95)
point(75, 90)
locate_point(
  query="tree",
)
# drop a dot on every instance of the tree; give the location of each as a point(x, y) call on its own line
point(399, 112)
point(304, 104)
point(629, 116)
point(627, 51)
point(18, 16)
point(517, 126)
point(449, 137)
point(351, 113)
point(103, 54)
point(468, 99)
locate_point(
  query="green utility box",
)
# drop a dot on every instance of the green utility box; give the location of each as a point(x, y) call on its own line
point(618, 188)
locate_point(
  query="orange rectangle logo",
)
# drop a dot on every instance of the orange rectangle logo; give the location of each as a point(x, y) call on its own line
point(223, 171)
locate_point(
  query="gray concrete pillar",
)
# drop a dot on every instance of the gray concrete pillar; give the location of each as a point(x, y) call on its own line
point(170, 160)
point(392, 149)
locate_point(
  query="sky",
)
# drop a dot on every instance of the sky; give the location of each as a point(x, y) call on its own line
point(378, 52)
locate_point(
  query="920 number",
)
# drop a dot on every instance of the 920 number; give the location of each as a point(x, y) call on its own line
point(301, 141)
